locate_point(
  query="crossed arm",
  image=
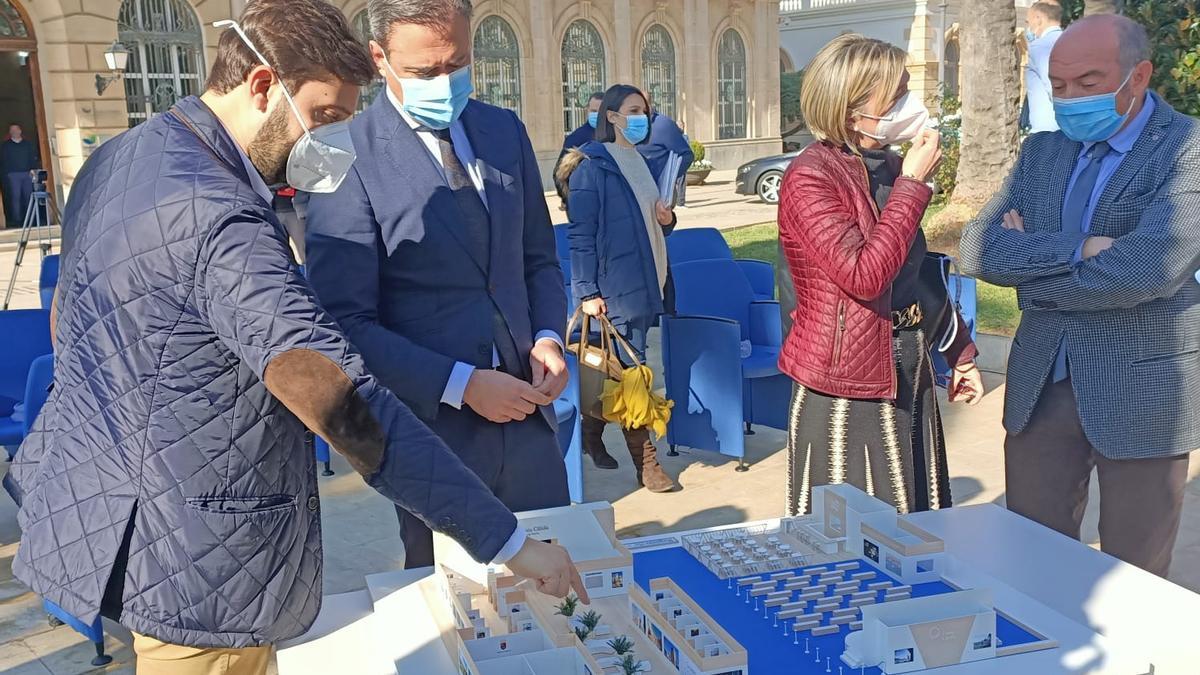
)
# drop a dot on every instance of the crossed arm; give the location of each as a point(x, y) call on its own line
point(1153, 261)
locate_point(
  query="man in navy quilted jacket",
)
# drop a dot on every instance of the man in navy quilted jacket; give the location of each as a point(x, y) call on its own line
point(166, 484)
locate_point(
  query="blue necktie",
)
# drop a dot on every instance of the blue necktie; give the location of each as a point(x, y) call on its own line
point(1073, 221)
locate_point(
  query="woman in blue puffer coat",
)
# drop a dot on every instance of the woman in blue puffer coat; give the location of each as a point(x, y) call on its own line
point(617, 232)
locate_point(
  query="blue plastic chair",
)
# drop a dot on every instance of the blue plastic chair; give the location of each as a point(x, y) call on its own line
point(37, 390)
point(48, 280)
point(969, 309)
point(26, 337)
point(563, 248)
point(570, 431)
point(718, 393)
point(707, 243)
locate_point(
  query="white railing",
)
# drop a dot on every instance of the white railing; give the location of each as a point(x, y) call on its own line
point(792, 6)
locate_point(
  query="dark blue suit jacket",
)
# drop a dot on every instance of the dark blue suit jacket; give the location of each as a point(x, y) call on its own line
point(388, 260)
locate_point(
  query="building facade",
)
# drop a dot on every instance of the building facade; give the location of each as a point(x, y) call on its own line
point(927, 29)
point(710, 64)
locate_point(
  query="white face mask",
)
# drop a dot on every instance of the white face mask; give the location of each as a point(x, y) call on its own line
point(320, 160)
point(902, 123)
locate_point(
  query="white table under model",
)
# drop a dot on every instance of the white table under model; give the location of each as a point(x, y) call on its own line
point(1107, 616)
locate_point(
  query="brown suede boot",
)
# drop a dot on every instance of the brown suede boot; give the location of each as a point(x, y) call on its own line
point(650, 473)
point(593, 443)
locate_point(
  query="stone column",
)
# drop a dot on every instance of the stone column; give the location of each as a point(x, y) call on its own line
point(542, 100)
point(623, 39)
point(766, 86)
point(697, 98)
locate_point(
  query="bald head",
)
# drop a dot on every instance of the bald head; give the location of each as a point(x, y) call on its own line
point(1097, 55)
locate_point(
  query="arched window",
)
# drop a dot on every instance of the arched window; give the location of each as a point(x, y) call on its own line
point(658, 69)
point(497, 68)
point(731, 86)
point(582, 71)
point(950, 86)
point(166, 55)
point(12, 26)
point(361, 25)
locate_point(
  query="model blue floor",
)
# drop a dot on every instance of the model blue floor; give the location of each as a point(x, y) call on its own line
point(771, 651)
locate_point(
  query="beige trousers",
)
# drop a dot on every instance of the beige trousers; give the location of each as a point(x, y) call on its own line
point(155, 657)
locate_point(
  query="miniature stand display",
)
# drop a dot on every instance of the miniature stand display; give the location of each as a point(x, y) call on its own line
point(850, 588)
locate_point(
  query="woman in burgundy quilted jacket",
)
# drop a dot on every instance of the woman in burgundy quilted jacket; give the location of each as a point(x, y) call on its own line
point(864, 410)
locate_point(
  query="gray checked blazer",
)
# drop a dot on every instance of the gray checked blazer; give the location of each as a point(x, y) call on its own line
point(1131, 315)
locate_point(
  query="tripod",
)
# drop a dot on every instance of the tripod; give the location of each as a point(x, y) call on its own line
point(39, 202)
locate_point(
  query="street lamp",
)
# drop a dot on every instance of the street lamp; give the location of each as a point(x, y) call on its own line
point(116, 57)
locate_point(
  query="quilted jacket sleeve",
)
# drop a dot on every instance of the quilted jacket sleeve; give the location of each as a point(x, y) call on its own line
point(255, 300)
point(863, 266)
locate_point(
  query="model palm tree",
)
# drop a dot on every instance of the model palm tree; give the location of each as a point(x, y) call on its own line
point(631, 666)
point(583, 633)
point(568, 606)
point(621, 645)
point(590, 620)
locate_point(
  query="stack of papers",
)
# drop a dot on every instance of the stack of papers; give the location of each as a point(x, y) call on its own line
point(668, 180)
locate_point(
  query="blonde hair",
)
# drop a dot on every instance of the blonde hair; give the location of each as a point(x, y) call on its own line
point(843, 78)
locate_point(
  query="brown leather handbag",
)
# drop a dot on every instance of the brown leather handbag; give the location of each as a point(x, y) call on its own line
point(598, 362)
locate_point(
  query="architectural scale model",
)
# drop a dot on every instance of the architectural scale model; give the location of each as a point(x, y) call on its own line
point(852, 588)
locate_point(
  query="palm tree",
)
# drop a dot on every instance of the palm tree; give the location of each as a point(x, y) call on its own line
point(621, 645)
point(590, 620)
point(631, 666)
point(568, 605)
point(583, 633)
point(990, 103)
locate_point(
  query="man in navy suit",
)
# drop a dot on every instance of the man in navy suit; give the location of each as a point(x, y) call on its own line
point(437, 257)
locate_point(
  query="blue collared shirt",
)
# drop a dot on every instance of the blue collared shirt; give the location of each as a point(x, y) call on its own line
point(1121, 144)
point(460, 376)
point(1037, 82)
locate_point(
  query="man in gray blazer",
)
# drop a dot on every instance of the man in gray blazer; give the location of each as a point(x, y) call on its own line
point(1098, 228)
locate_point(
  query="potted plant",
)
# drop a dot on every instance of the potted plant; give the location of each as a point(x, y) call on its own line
point(621, 645)
point(698, 172)
point(631, 666)
point(582, 633)
point(568, 605)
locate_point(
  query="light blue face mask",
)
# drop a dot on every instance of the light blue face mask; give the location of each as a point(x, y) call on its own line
point(1030, 36)
point(593, 119)
point(438, 101)
point(637, 128)
point(1091, 119)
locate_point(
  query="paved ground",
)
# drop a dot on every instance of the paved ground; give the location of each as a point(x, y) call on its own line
point(360, 527)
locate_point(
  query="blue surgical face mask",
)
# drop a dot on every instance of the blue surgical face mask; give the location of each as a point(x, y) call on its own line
point(637, 128)
point(1091, 119)
point(438, 101)
point(593, 119)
